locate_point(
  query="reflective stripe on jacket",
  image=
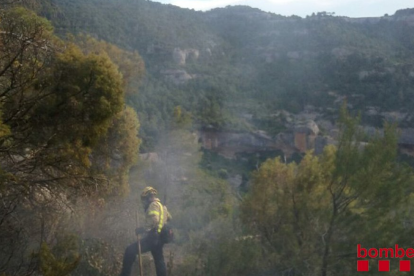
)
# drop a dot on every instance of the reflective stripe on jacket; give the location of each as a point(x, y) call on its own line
point(156, 216)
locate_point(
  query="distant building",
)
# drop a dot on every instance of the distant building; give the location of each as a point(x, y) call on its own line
point(304, 135)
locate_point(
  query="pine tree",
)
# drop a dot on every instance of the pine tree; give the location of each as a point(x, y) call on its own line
point(311, 215)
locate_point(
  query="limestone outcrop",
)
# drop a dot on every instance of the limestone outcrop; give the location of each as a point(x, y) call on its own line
point(180, 56)
point(177, 76)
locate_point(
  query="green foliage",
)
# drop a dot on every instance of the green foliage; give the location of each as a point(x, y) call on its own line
point(316, 211)
point(248, 61)
point(117, 152)
point(98, 258)
point(65, 133)
point(86, 93)
point(61, 260)
point(222, 249)
point(243, 163)
point(181, 119)
point(222, 173)
point(25, 22)
point(4, 129)
point(130, 64)
point(63, 104)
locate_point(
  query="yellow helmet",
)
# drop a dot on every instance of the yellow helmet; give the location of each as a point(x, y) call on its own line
point(148, 191)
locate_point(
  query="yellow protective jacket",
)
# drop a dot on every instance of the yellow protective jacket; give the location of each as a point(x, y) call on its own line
point(156, 216)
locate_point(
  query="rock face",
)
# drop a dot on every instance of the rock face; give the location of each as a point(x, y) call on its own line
point(363, 20)
point(229, 144)
point(180, 56)
point(394, 116)
point(308, 130)
point(341, 52)
point(300, 139)
point(378, 74)
point(149, 156)
point(407, 137)
point(177, 76)
point(406, 16)
point(235, 180)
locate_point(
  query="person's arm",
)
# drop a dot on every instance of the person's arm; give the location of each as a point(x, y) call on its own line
point(169, 217)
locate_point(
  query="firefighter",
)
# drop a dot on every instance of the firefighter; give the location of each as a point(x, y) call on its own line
point(157, 216)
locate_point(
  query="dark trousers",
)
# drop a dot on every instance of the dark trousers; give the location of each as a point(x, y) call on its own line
point(149, 243)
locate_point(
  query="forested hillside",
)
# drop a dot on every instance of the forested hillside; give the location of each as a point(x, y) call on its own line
point(239, 60)
point(246, 122)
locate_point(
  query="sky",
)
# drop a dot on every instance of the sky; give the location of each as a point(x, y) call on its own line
point(351, 8)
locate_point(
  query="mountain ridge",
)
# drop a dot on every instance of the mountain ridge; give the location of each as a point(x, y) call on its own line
point(237, 60)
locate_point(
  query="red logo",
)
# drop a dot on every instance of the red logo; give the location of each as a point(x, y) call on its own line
point(384, 265)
